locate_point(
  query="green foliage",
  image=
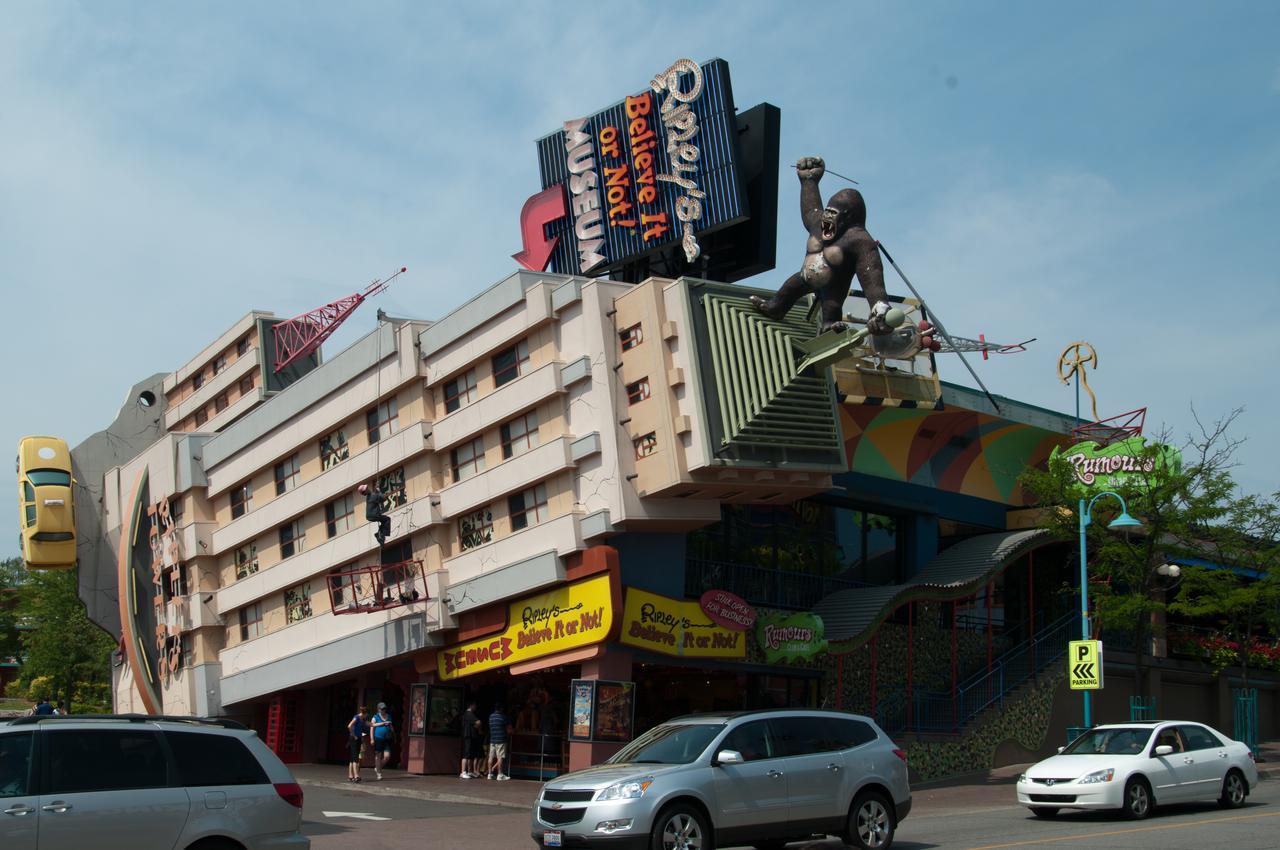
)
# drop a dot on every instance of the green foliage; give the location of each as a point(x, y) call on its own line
point(61, 646)
point(11, 576)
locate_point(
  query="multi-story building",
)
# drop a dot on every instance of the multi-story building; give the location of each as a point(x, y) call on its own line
point(569, 464)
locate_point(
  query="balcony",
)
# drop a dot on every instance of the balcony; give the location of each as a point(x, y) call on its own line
point(498, 406)
point(195, 539)
point(310, 562)
point(562, 535)
point(510, 476)
point(333, 482)
point(192, 612)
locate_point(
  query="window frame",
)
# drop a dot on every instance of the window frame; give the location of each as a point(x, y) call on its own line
point(254, 624)
point(475, 462)
point(374, 420)
point(242, 566)
point(242, 346)
point(631, 337)
point(197, 380)
point(481, 533)
point(220, 403)
point(338, 449)
point(529, 437)
point(332, 517)
point(247, 385)
point(508, 372)
point(645, 445)
point(459, 395)
point(298, 608)
point(533, 501)
point(638, 391)
point(201, 416)
point(245, 502)
point(296, 540)
point(286, 478)
point(219, 364)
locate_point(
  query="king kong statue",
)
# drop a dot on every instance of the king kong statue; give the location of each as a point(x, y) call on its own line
point(839, 246)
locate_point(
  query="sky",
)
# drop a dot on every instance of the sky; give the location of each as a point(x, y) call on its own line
point(1098, 172)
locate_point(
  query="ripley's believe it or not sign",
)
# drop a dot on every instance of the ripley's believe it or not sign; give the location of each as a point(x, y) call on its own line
point(646, 173)
point(1099, 468)
point(569, 617)
point(677, 627)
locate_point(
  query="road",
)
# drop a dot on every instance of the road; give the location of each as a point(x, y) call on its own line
point(940, 820)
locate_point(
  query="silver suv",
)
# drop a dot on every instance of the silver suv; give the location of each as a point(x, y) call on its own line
point(135, 783)
point(758, 778)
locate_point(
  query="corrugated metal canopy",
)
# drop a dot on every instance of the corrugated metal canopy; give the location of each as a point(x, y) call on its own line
point(851, 616)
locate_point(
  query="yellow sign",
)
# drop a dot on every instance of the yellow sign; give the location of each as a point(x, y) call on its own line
point(677, 627)
point(1084, 665)
point(569, 617)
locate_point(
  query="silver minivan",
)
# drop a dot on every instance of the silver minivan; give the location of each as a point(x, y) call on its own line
point(143, 783)
point(759, 778)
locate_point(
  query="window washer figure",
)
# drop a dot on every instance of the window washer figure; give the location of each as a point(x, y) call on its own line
point(375, 502)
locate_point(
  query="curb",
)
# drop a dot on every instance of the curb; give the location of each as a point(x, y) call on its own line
point(431, 796)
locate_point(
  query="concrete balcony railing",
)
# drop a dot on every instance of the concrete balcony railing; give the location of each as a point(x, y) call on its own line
point(510, 476)
point(192, 612)
point(388, 454)
point(498, 406)
point(196, 539)
point(211, 389)
point(319, 559)
point(562, 535)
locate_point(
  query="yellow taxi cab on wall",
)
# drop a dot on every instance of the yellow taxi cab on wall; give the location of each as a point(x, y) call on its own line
point(46, 514)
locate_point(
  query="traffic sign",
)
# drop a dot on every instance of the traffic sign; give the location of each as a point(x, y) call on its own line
point(1084, 665)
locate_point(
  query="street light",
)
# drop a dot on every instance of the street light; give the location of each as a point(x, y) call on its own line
point(1086, 518)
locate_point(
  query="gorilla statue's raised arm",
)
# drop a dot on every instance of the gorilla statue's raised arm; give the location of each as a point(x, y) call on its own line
point(839, 246)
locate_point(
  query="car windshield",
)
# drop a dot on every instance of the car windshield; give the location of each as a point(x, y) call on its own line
point(1124, 741)
point(41, 477)
point(670, 743)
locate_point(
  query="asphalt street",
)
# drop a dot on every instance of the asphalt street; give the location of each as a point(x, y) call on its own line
point(940, 820)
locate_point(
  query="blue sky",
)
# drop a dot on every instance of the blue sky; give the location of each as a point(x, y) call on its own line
point(1059, 171)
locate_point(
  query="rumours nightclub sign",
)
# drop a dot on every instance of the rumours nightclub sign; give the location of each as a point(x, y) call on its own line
point(648, 173)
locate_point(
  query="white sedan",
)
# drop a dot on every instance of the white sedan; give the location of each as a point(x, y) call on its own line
point(1135, 766)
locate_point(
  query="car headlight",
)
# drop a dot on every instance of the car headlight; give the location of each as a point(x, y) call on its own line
point(1022, 778)
point(628, 790)
point(1097, 776)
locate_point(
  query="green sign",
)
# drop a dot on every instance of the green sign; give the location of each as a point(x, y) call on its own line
point(1106, 467)
point(797, 637)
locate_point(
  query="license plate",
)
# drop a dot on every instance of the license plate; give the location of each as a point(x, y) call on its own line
point(551, 838)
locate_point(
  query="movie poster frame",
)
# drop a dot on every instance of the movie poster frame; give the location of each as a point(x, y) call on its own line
point(432, 692)
point(588, 688)
point(414, 692)
point(630, 730)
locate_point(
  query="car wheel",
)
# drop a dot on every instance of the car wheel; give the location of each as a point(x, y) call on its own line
point(1045, 811)
point(681, 827)
point(871, 823)
point(1137, 799)
point(1234, 791)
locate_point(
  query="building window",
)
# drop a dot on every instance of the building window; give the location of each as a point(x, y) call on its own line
point(220, 403)
point(246, 561)
point(631, 337)
point(333, 450)
point(520, 434)
point(460, 392)
point(392, 484)
point(646, 445)
point(381, 421)
point(246, 384)
point(219, 363)
point(339, 583)
point(176, 510)
point(197, 380)
point(251, 621)
point(297, 603)
point(638, 391)
point(242, 347)
point(475, 529)
point(339, 515)
point(178, 581)
point(528, 508)
point(202, 417)
point(241, 500)
point(468, 459)
point(511, 363)
point(188, 651)
point(287, 475)
point(292, 538)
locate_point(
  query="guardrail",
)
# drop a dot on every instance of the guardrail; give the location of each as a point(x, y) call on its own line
point(762, 585)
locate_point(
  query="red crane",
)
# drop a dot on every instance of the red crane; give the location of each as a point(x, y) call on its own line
point(303, 334)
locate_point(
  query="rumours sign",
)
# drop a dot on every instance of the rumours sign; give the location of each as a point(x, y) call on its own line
point(1107, 467)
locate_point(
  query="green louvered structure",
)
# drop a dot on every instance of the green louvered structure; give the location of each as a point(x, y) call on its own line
point(760, 404)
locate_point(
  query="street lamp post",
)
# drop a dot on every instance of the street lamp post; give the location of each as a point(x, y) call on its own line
point(1086, 518)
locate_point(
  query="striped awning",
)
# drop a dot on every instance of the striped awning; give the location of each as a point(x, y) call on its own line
point(851, 616)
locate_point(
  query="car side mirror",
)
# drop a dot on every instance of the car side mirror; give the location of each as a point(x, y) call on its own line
point(1060, 749)
point(1163, 750)
point(729, 757)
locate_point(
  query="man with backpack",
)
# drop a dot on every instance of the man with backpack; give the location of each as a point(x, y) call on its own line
point(384, 735)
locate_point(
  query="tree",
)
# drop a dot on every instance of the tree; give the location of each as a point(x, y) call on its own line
point(1244, 598)
point(60, 642)
point(1173, 502)
point(11, 576)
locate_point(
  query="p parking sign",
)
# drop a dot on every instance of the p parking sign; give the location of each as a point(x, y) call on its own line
point(1084, 665)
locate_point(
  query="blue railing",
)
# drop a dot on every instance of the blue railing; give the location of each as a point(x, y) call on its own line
point(762, 585)
point(945, 711)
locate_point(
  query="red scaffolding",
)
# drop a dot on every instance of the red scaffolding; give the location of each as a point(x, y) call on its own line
point(377, 587)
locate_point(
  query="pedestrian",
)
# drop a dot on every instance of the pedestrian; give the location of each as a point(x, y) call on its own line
point(472, 742)
point(43, 706)
point(375, 502)
point(357, 730)
point(499, 735)
point(384, 735)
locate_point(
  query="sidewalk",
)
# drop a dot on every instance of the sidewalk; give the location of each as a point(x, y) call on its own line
point(969, 792)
